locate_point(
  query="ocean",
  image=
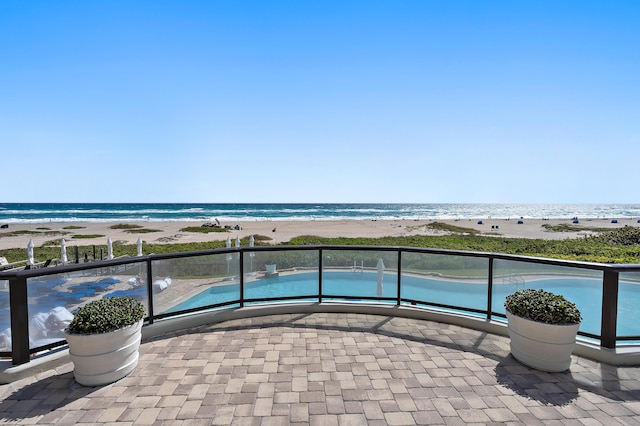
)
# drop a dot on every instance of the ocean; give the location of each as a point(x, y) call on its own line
point(132, 212)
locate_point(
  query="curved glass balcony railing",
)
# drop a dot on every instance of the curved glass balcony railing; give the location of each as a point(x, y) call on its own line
point(36, 305)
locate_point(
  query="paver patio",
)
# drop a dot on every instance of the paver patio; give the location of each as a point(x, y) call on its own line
point(330, 369)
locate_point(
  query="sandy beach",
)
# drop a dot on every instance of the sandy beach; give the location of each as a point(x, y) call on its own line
point(283, 231)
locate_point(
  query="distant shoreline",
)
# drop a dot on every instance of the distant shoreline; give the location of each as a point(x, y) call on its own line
point(281, 231)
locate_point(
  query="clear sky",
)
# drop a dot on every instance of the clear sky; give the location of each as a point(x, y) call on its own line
point(320, 101)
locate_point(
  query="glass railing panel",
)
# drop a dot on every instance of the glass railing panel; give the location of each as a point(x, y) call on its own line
point(194, 282)
point(52, 299)
point(5, 317)
point(360, 274)
point(580, 286)
point(628, 323)
point(282, 274)
point(443, 279)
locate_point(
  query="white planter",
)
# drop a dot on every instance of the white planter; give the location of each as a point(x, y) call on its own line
point(99, 359)
point(271, 268)
point(546, 347)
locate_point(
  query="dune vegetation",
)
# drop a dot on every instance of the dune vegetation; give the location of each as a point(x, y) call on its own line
point(619, 246)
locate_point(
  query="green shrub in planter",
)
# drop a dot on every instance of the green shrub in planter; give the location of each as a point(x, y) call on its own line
point(104, 315)
point(543, 306)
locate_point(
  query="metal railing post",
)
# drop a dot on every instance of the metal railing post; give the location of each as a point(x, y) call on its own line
point(320, 271)
point(398, 297)
point(490, 288)
point(241, 277)
point(150, 289)
point(609, 309)
point(19, 320)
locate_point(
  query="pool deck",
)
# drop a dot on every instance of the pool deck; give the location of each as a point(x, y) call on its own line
point(330, 369)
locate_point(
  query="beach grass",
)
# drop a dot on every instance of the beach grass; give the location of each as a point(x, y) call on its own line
point(567, 227)
point(133, 229)
point(86, 236)
point(72, 227)
point(203, 229)
point(617, 246)
point(125, 226)
point(20, 232)
point(142, 231)
point(454, 229)
point(31, 232)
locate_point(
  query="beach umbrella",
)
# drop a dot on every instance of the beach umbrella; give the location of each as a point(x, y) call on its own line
point(109, 249)
point(139, 242)
point(63, 251)
point(30, 259)
point(380, 267)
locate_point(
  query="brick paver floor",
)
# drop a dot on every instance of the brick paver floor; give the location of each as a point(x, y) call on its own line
point(331, 369)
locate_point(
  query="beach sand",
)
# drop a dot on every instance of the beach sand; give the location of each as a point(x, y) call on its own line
point(170, 232)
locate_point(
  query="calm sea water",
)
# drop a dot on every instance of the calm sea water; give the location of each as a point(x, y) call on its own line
point(108, 212)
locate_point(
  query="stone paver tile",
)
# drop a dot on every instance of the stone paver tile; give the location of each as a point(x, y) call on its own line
point(168, 413)
point(372, 410)
point(299, 384)
point(286, 397)
point(112, 413)
point(276, 421)
point(633, 406)
point(130, 415)
point(474, 416)
point(148, 416)
point(299, 413)
point(351, 420)
point(399, 419)
point(266, 390)
point(324, 420)
point(317, 408)
point(188, 410)
point(389, 405)
point(262, 407)
point(405, 402)
point(223, 415)
point(616, 410)
point(353, 407)
point(144, 402)
point(444, 408)
point(428, 417)
point(545, 413)
point(500, 415)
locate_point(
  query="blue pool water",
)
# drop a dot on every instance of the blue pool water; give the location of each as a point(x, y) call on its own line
point(585, 292)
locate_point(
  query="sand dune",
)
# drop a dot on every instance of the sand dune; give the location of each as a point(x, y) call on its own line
point(283, 231)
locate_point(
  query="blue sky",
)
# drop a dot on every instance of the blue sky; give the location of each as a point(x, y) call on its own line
point(320, 101)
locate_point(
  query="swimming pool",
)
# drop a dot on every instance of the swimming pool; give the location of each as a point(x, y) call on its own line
point(585, 292)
